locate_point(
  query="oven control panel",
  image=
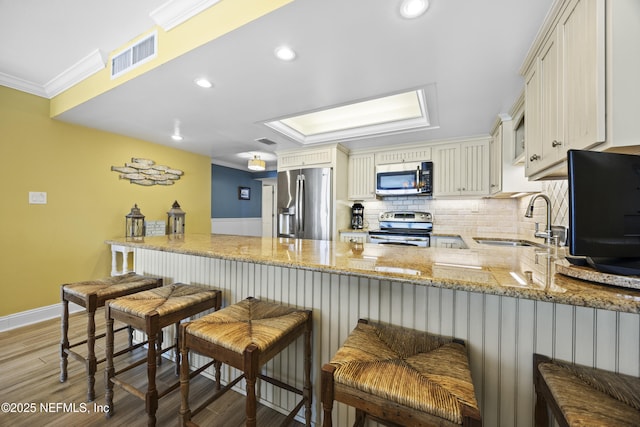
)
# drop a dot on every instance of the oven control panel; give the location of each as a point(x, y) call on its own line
point(406, 216)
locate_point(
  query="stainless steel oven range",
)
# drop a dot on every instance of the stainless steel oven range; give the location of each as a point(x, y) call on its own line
point(407, 228)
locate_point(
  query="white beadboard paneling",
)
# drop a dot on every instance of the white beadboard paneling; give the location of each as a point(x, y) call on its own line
point(525, 347)
point(501, 333)
point(508, 358)
point(238, 226)
point(628, 339)
point(606, 340)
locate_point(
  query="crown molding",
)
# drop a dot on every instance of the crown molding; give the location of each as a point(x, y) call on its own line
point(22, 85)
point(173, 13)
point(87, 66)
point(82, 69)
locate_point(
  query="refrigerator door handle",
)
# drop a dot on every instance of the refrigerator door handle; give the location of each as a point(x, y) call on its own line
point(297, 205)
point(301, 212)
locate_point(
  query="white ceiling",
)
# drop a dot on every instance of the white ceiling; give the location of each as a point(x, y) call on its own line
point(348, 50)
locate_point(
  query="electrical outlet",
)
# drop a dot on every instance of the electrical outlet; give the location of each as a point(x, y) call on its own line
point(37, 198)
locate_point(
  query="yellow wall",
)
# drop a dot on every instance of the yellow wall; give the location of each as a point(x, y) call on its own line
point(43, 246)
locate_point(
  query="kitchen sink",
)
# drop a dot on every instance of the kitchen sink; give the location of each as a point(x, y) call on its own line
point(507, 242)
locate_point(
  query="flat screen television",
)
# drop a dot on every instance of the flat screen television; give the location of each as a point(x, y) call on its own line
point(604, 210)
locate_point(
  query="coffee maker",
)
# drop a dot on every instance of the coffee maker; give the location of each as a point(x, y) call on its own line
point(357, 216)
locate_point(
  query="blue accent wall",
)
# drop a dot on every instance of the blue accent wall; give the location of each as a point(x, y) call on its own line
point(224, 192)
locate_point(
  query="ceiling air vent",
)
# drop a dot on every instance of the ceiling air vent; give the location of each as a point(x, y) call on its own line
point(266, 141)
point(134, 55)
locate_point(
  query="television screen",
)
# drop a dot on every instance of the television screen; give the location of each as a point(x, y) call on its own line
point(604, 210)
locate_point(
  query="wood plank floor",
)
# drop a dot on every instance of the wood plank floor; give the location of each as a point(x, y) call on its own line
point(30, 374)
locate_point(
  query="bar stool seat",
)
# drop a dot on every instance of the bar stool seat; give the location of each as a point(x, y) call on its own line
point(401, 376)
point(92, 295)
point(150, 311)
point(584, 396)
point(245, 336)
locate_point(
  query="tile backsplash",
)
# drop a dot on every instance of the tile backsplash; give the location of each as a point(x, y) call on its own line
point(479, 217)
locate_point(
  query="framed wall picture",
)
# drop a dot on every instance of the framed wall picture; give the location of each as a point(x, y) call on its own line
point(244, 193)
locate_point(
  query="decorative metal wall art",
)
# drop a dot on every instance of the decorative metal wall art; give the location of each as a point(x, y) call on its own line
point(146, 172)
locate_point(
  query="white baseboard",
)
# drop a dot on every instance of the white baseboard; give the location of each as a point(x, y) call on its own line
point(35, 315)
point(238, 226)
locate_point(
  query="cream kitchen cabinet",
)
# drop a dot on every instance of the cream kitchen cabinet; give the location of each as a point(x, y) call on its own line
point(564, 84)
point(584, 87)
point(543, 92)
point(418, 153)
point(305, 158)
point(354, 236)
point(461, 169)
point(361, 177)
point(507, 176)
point(495, 161)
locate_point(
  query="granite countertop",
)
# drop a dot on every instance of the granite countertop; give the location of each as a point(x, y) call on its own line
point(521, 272)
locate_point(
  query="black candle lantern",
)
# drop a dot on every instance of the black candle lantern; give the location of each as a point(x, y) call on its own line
point(134, 223)
point(175, 219)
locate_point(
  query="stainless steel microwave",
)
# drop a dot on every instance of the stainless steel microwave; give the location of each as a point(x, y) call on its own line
point(402, 179)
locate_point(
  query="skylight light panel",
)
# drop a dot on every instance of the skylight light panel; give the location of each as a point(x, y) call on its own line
point(394, 113)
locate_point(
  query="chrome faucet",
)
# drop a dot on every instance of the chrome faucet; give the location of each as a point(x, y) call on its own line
point(547, 234)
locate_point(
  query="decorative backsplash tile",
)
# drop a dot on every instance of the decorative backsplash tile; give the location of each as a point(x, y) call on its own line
point(558, 192)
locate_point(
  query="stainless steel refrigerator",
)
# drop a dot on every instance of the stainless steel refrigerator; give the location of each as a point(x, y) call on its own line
point(305, 203)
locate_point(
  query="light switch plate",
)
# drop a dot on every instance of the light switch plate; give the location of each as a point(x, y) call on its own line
point(37, 198)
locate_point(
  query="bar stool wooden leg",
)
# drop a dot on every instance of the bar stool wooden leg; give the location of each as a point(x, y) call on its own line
point(92, 362)
point(185, 412)
point(130, 331)
point(307, 393)
point(110, 370)
point(153, 356)
point(250, 375)
point(541, 417)
point(326, 393)
point(176, 351)
point(64, 342)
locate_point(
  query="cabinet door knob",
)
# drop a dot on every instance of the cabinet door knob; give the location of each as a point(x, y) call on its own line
point(556, 143)
point(534, 157)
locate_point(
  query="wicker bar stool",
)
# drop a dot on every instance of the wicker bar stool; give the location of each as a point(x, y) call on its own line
point(245, 336)
point(150, 311)
point(401, 376)
point(584, 396)
point(92, 295)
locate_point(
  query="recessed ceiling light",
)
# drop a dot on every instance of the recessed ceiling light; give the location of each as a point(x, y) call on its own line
point(285, 53)
point(413, 8)
point(202, 82)
point(177, 137)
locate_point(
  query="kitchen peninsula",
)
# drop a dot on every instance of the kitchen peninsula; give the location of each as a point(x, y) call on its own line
point(505, 302)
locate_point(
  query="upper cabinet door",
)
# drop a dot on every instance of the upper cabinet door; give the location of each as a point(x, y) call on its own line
point(362, 179)
point(474, 173)
point(533, 129)
point(461, 169)
point(446, 170)
point(551, 87)
point(583, 29)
